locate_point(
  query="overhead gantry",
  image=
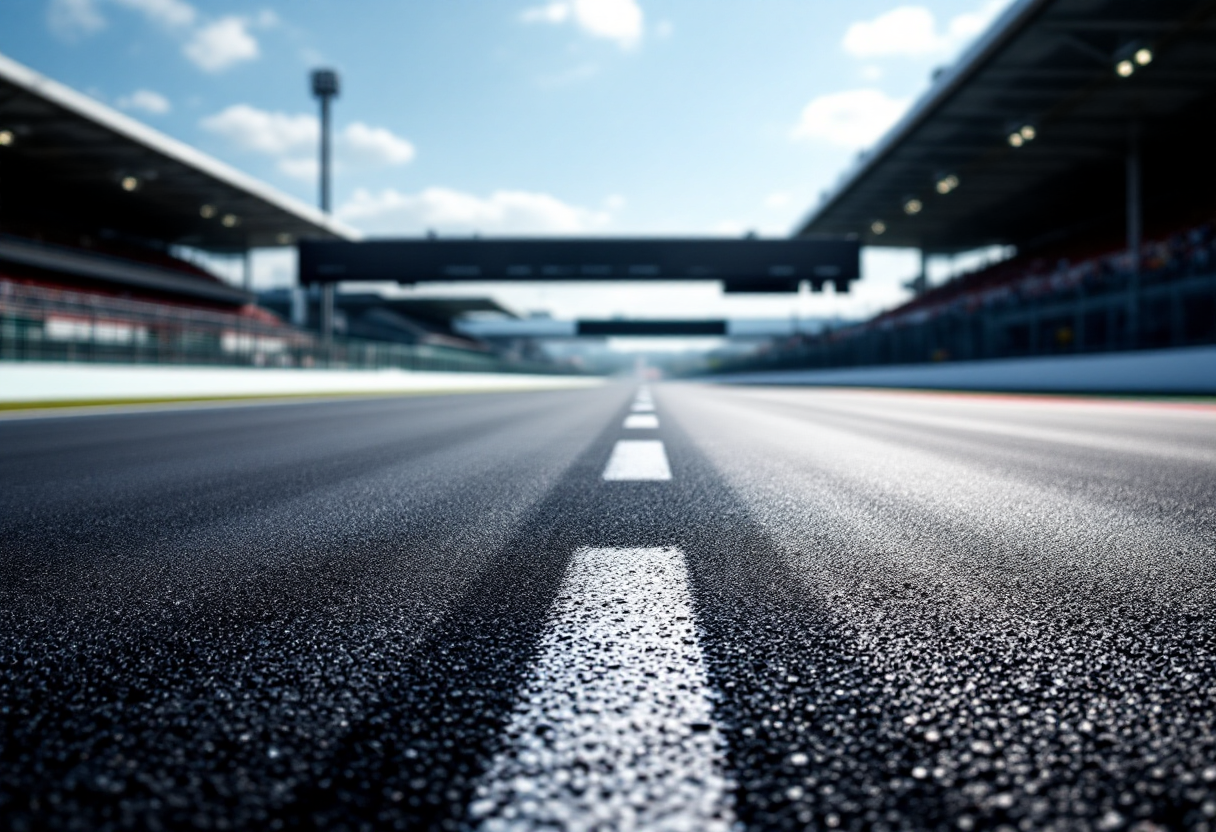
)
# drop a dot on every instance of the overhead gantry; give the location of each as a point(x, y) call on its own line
point(740, 265)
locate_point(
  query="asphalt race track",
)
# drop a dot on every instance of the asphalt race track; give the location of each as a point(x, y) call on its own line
point(750, 609)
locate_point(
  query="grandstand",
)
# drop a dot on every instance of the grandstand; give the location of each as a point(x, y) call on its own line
point(98, 215)
point(427, 320)
point(1080, 135)
point(104, 223)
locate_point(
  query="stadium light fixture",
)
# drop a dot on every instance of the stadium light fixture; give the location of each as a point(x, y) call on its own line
point(1020, 132)
point(6, 138)
point(207, 212)
point(129, 183)
point(946, 184)
point(230, 221)
point(913, 206)
point(325, 88)
point(878, 227)
point(1130, 57)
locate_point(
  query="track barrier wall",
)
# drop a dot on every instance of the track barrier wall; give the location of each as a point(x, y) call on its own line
point(1182, 371)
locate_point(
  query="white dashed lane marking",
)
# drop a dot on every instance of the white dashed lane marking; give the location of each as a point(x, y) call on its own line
point(615, 730)
point(642, 407)
point(638, 459)
point(641, 421)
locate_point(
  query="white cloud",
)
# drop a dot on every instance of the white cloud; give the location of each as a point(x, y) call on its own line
point(907, 30)
point(969, 24)
point(779, 199)
point(273, 268)
point(212, 45)
point(307, 168)
point(616, 20)
point(170, 13)
point(221, 44)
point(74, 18)
point(730, 228)
point(451, 211)
point(853, 119)
point(558, 12)
point(146, 100)
point(275, 133)
point(293, 137)
point(71, 19)
point(377, 144)
point(912, 31)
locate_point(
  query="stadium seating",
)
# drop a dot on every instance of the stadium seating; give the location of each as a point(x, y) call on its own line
point(1081, 296)
point(1027, 279)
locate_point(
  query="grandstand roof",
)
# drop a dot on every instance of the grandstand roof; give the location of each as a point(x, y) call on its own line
point(1050, 65)
point(78, 151)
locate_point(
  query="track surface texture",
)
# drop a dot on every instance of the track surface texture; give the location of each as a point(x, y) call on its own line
point(775, 609)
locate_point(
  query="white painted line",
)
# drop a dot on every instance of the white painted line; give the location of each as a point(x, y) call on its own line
point(641, 421)
point(615, 730)
point(638, 459)
point(642, 407)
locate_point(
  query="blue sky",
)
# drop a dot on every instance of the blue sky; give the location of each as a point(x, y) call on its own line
point(527, 116)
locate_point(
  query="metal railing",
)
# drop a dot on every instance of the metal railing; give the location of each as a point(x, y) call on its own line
point(45, 324)
point(1173, 308)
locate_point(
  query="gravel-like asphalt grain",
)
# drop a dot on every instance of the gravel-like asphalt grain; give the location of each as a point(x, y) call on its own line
point(914, 611)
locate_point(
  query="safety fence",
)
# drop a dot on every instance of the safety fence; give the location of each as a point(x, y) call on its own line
point(40, 323)
point(1147, 311)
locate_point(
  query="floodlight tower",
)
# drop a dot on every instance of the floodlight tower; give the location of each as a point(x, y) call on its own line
point(325, 88)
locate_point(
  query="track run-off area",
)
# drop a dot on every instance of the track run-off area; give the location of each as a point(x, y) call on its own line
point(666, 607)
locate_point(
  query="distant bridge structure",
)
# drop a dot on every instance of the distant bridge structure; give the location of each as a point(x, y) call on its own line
point(559, 329)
